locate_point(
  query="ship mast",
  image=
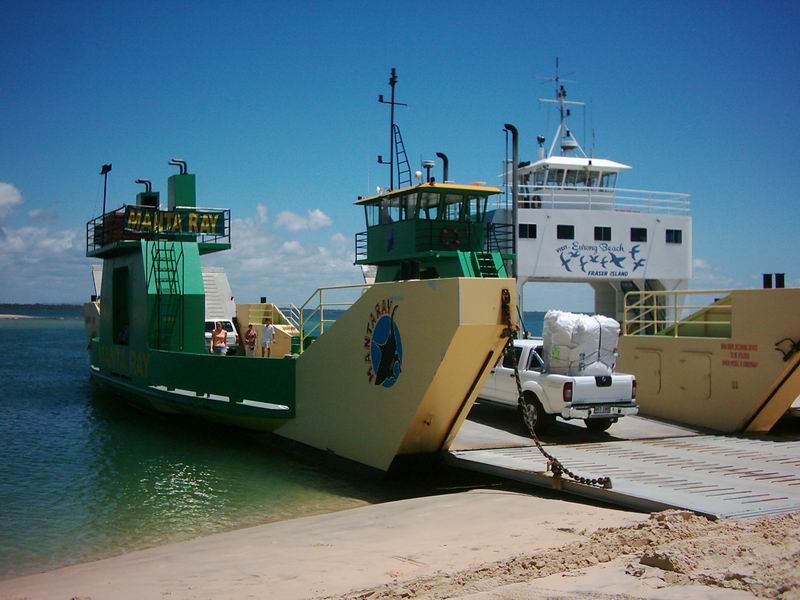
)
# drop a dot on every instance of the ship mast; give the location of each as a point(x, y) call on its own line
point(564, 135)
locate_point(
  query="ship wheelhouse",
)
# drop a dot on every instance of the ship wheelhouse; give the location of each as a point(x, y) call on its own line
point(433, 230)
point(568, 182)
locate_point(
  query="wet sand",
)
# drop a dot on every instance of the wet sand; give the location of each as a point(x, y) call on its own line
point(476, 544)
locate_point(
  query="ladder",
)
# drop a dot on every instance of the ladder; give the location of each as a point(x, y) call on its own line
point(169, 295)
point(484, 264)
point(403, 168)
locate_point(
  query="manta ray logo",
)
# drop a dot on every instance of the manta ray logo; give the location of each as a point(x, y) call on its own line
point(385, 356)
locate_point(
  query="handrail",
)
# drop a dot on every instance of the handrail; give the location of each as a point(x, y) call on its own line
point(598, 198)
point(319, 295)
point(673, 313)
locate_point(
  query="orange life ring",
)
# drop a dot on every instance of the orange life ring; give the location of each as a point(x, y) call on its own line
point(450, 237)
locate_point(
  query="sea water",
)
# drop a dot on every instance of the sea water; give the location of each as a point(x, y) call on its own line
point(83, 476)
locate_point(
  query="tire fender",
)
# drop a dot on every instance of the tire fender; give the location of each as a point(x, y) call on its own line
point(537, 390)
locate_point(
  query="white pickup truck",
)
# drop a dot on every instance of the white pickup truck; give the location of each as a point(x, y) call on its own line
point(599, 400)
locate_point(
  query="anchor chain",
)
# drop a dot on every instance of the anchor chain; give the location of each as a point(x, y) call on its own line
point(553, 464)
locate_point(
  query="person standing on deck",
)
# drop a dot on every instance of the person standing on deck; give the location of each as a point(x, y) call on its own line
point(266, 339)
point(219, 340)
point(250, 340)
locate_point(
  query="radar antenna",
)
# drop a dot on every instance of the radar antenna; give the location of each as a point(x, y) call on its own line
point(563, 135)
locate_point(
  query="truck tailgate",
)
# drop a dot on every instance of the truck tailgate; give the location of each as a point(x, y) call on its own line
point(602, 389)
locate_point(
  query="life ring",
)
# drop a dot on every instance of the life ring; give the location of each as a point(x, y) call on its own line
point(537, 201)
point(450, 237)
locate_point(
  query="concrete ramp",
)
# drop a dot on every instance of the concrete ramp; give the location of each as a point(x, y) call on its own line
point(718, 476)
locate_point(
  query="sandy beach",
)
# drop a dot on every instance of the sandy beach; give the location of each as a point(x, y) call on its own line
point(476, 544)
point(10, 316)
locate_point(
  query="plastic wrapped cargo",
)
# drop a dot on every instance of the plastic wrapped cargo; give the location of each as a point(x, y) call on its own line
point(576, 344)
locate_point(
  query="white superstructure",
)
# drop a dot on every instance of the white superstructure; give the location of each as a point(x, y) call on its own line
point(575, 225)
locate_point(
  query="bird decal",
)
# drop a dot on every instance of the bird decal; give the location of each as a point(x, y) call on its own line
point(389, 365)
point(617, 260)
point(635, 251)
point(583, 262)
point(604, 262)
point(575, 254)
point(565, 262)
point(638, 264)
point(594, 258)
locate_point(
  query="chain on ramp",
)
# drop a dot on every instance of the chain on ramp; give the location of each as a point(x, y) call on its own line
point(554, 465)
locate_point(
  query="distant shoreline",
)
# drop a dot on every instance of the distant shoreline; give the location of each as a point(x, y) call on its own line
point(6, 316)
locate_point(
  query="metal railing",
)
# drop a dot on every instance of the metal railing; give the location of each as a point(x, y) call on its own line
point(361, 246)
point(111, 227)
point(597, 198)
point(682, 313)
point(499, 238)
point(311, 314)
point(257, 314)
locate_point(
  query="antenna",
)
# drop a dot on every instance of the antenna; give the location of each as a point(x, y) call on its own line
point(392, 103)
point(568, 141)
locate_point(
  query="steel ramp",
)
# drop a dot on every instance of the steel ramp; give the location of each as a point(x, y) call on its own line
point(714, 475)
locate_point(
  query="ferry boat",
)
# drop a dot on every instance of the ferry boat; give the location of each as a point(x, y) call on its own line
point(573, 224)
point(395, 374)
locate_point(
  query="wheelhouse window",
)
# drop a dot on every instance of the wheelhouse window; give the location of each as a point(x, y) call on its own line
point(527, 230)
point(555, 177)
point(587, 178)
point(428, 205)
point(476, 208)
point(602, 234)
point(565, 232)
point(638, 234)
point(539, 177)
point(452, 207)
point(674, 236)
point(608, 180)
point(571, 178)
point(410, 206)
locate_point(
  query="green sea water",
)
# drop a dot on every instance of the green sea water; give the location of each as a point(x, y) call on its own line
point(83, 476)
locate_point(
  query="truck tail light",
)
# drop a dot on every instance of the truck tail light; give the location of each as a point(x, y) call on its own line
point(633, 389)
point(567, 392)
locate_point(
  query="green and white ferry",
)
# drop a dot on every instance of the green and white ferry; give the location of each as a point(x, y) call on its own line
point(394, 375)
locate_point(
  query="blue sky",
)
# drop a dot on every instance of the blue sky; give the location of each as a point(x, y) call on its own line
point(274, 107)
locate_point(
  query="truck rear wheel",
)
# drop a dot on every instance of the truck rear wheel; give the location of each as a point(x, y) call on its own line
point(535, 419)
point(598, 425)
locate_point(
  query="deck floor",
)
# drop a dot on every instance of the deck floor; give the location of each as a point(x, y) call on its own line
point(652, 465)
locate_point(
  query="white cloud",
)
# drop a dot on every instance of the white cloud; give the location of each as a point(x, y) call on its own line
point(338, 238)
point(314, 219)
point(263, 262)
point(261, 213)
point(317, 219)
point(10, 197)
point(705, 275)
point(40, 216)
point(292, 247)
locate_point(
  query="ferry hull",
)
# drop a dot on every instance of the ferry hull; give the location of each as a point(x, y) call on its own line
point(354, 392)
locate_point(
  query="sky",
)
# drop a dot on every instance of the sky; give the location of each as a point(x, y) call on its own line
point(274, 107)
